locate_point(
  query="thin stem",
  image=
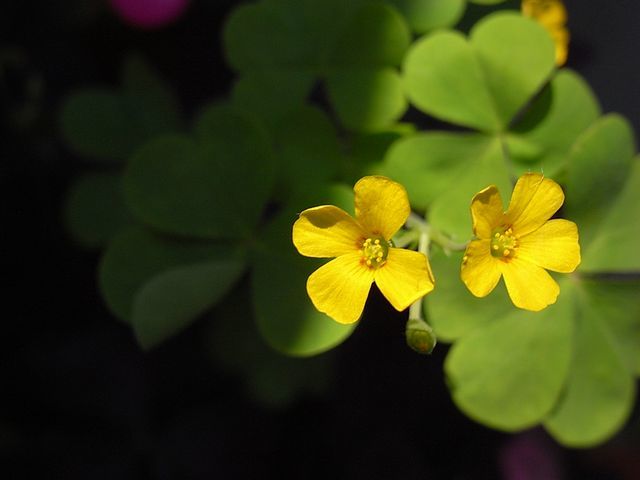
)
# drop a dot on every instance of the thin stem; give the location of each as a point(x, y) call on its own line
point(405, 238)
point(416, 222)
point(415, 311)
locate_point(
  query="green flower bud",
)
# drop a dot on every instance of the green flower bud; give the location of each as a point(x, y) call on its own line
point(420, 336)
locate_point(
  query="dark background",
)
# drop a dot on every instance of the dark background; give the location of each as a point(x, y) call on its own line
point(79, 399)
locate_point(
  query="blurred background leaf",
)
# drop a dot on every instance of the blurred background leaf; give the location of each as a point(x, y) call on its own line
point(95, 209)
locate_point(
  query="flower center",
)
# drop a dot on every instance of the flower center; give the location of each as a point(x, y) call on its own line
point(375, 251)
point(503, 242)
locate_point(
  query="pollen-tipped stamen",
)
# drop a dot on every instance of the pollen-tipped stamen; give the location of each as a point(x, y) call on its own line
point(503, 242)
point(375, 251)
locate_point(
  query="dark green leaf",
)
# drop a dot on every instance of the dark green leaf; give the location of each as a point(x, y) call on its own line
point(272, 94)
point(426, 15)
point(307, 142)
point(95, 209)
point(367, 100)
point(99, 124)
point(135, 256)
point(170, 301)
point(272, 378)
point(286, 317)
point(109, 125)
point(213, 187)
point(375, 36)
point(150, 96)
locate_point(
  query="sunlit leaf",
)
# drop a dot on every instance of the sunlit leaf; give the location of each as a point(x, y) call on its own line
point(509, 373)
point(452, 310)
point(443, 78)
point(551, 125)
point(484, 81)
point(442, 171)
point(600, 390)
point(616, 305)
point(615, 243)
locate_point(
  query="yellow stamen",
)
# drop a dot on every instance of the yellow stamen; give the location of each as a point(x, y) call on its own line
point(375, 251)
point(503, 243)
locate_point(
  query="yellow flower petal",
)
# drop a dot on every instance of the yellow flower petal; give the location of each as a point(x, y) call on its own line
point(534, 200)
point(326, 231)
point(546, 12)
point(382, 205)
point(560, 37)
point(553, 246)
point(480, 271)
point(529, 286)
point(487, 211)
point(340, 288)
point(404, 278)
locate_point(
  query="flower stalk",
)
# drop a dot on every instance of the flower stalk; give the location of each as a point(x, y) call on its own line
point(418, 332)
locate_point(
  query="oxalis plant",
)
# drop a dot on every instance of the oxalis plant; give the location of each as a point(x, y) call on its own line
point(311, 155)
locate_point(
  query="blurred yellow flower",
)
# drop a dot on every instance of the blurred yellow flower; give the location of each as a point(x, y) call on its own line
point(552, 15)
point(364, 251)
point(521, 243)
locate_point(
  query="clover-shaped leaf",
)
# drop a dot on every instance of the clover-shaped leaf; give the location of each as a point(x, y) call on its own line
point(484, 81)
point(107, 125)
point(135, 255)
point(604, 208)
point(600, 390)
point(213, 186)
point(541, 139)
point(160, 285)
point(443, 170)
point(171, 300)
point(509, 373)
point(351, 45)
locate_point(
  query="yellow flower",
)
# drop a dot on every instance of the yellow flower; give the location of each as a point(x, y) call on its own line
point(552, 15)
point(364, 252)
point(521, 243)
